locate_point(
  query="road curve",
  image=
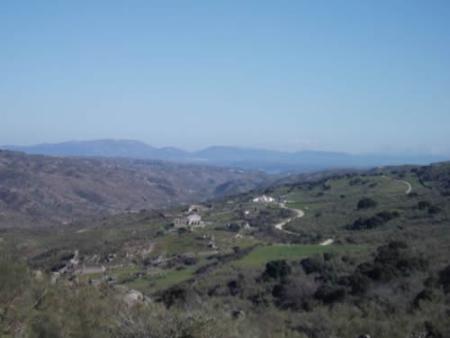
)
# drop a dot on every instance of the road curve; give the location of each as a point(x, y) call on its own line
point(408, 185)
point(326, 242)
point(299, 213)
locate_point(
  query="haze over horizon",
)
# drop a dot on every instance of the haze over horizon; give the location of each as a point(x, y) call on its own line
point(355, 77)
point(110, 141)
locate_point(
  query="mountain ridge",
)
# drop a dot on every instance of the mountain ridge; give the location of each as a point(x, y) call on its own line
point(271, 161)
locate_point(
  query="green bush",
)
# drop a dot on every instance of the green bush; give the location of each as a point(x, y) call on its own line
point(366, 203)
point(377, 220)
point(277, 269)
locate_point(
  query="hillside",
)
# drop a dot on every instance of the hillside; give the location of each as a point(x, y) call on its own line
point(40, 190)
point(314, 258)
point(247, 158)
point(102, 148)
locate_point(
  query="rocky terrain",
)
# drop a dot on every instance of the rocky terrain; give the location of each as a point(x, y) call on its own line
point(40, 190)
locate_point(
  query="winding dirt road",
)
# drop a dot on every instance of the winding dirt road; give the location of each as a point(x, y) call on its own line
point(409, 186)
point(299, 213)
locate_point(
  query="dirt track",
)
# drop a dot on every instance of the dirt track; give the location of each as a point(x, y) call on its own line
point(299, 213)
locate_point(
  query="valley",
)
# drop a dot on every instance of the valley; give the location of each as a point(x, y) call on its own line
point(41, 190)
point(289, 252)
point(225, 169)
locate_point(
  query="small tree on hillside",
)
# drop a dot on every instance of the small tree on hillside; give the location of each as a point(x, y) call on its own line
point(366, 203)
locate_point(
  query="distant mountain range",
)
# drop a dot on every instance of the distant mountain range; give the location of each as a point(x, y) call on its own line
point(255, 159)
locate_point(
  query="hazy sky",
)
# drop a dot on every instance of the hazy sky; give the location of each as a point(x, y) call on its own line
point(358, 76)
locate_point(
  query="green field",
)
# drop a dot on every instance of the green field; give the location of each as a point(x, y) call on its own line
point(162, 281)
point(263, 254)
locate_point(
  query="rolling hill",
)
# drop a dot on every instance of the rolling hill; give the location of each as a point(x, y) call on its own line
point(40, 190)
point(368, 244)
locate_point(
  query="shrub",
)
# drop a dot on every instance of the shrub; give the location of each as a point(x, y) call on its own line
point(311, 265)
point(234, 287)
point(188, 260)
point(297, 294)
point(433, 210)
point(330, 294)
point(279, 290)
point(366, 203)
point(377, 271)
point(356, 282)
point(233, 227)
point(173, 295)
point(277, 269)
point(391, 261)
point(374, 221)
point(422, 205)
point(424, 295)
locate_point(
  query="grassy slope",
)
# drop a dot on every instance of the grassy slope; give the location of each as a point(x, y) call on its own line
point(329, 206)
point(263, 254)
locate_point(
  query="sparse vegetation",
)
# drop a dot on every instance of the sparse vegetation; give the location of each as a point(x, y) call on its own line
point(230, 277)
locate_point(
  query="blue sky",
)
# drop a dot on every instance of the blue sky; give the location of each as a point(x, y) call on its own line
point(356, 76)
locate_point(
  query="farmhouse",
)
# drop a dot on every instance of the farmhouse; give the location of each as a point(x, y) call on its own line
point(263, 199)
point(190, 222)
point(194, 219)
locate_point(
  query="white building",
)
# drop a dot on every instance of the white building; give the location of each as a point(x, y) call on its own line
point(263, 199)
point(189, 222)
point(194, 219)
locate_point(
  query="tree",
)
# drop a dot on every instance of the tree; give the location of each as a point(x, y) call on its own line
point(277, 269)
point(366, 203)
